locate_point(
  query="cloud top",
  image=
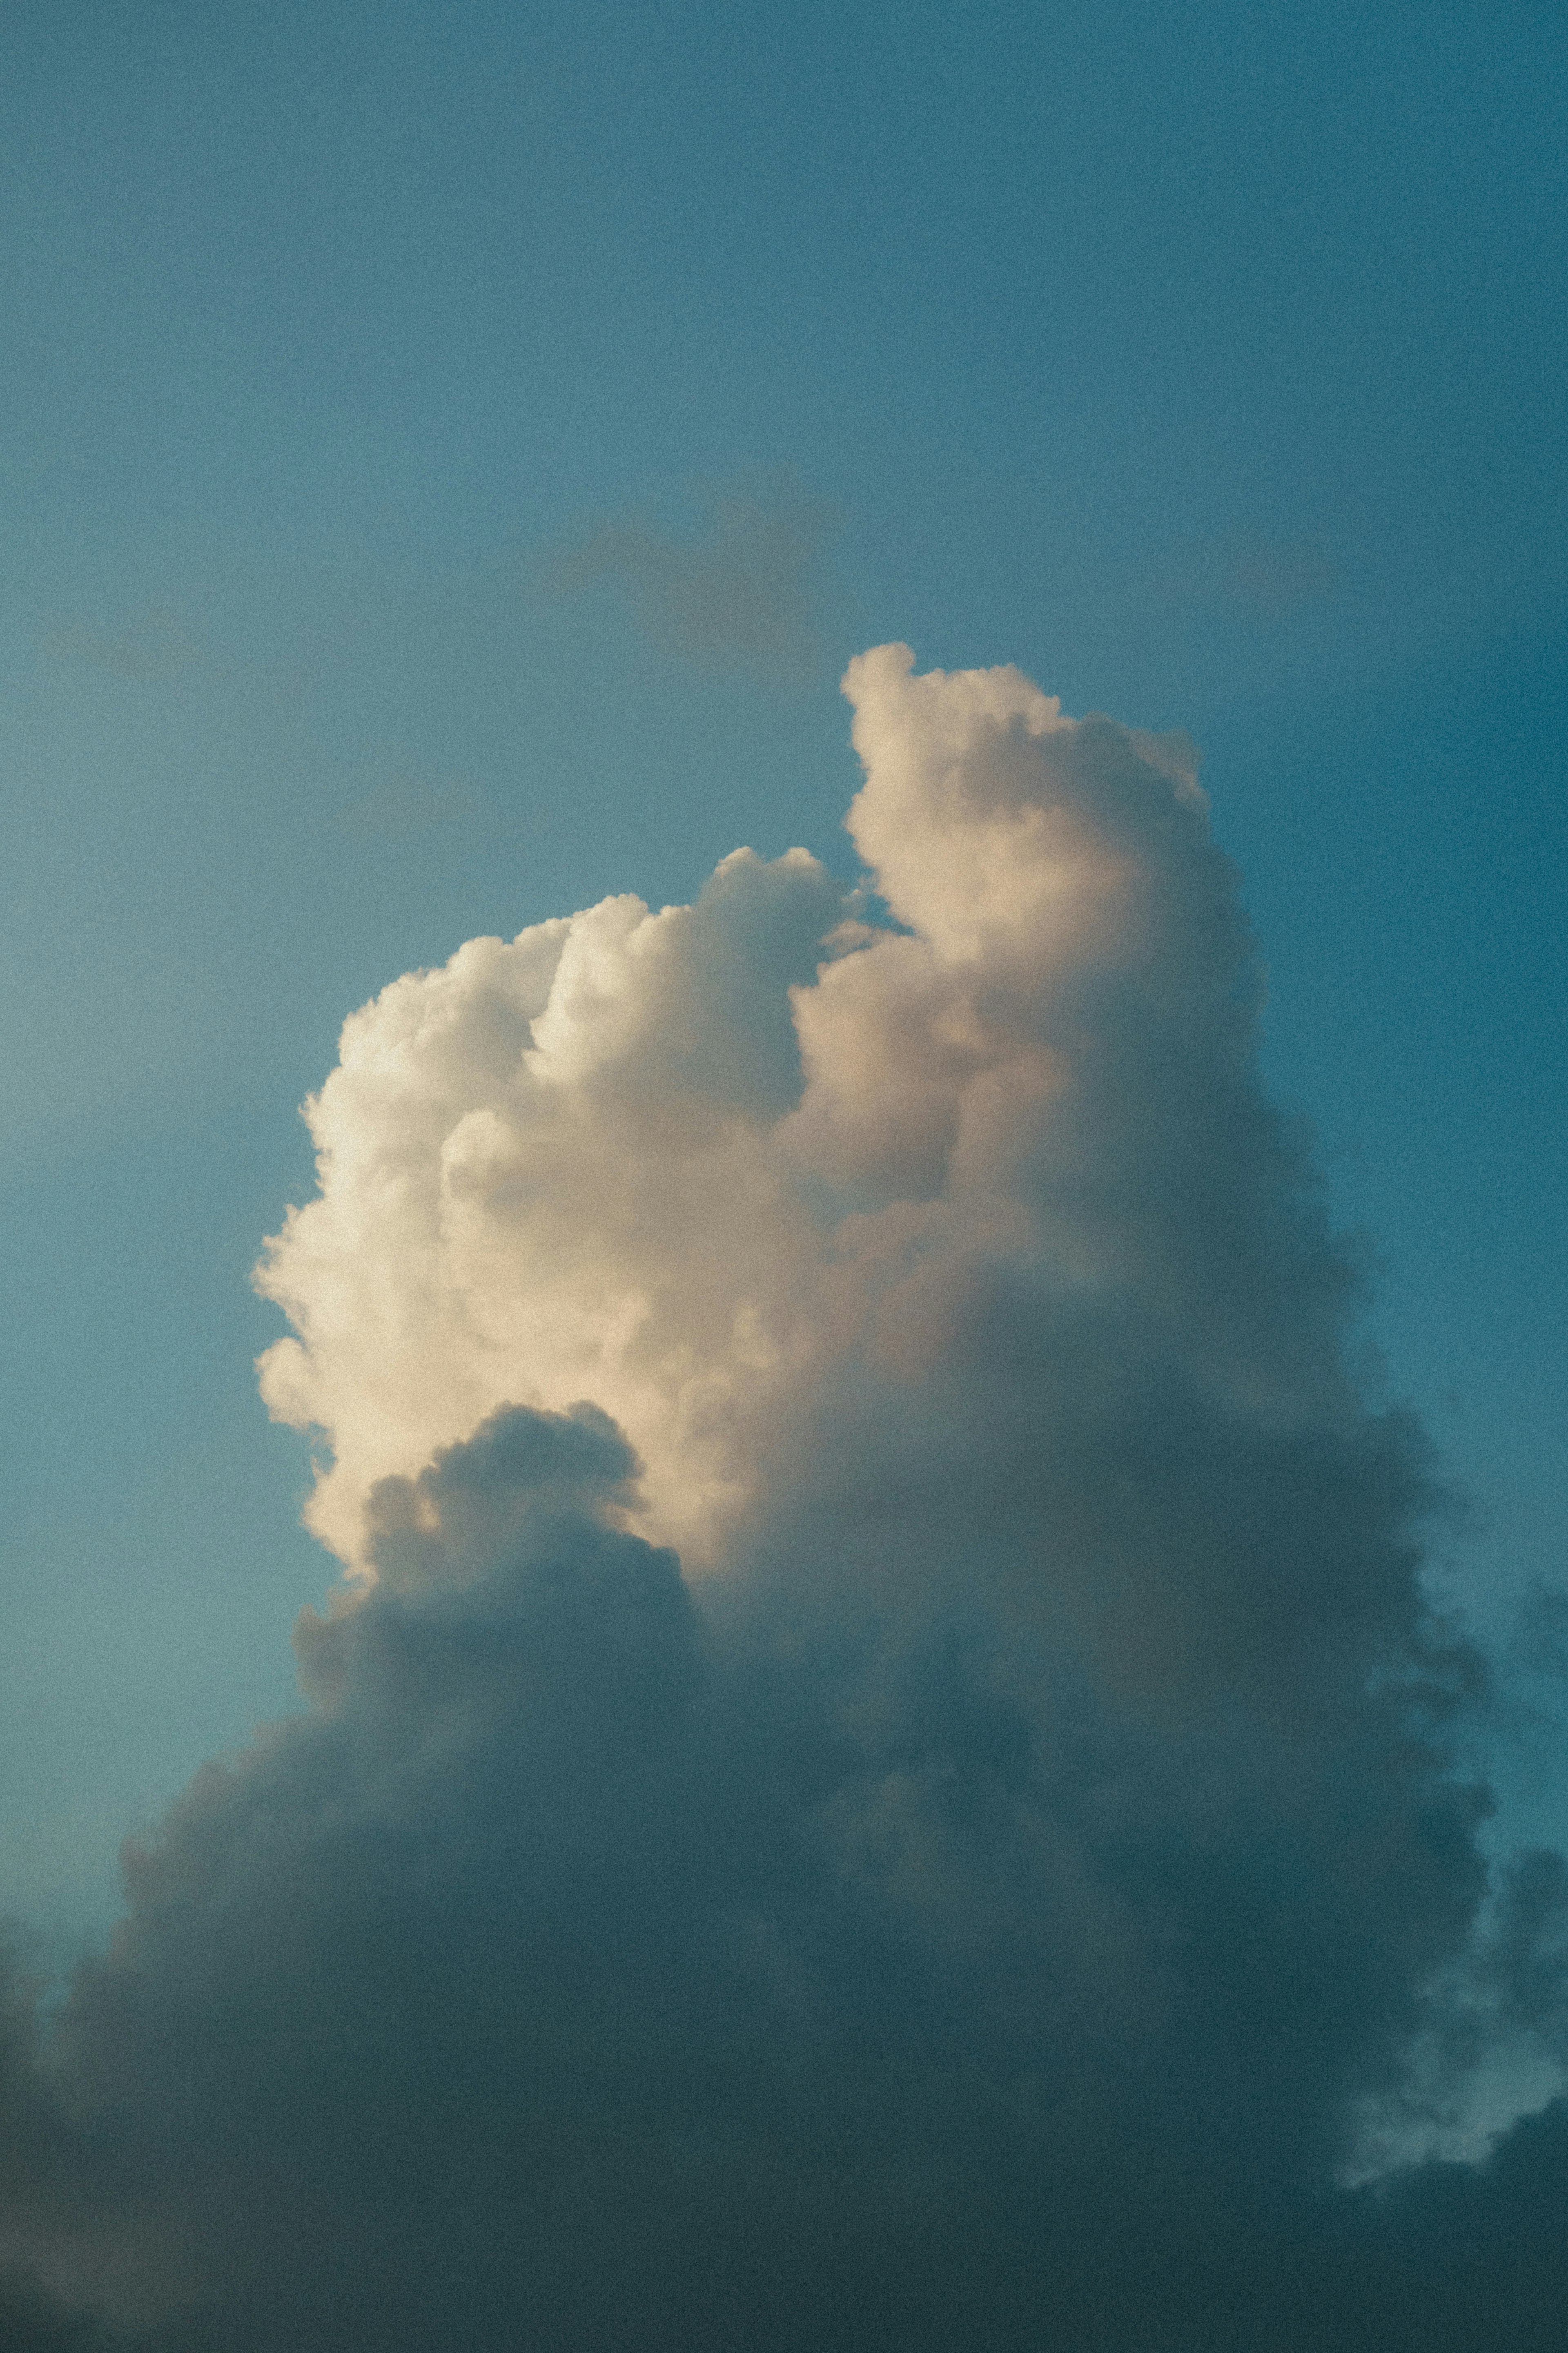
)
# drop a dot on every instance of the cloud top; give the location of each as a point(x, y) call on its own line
point(727, 1169)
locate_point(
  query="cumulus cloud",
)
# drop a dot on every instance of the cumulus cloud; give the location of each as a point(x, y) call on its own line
point(881, 1774)
point(753, 1172)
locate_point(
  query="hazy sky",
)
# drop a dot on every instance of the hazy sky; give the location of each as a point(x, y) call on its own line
point(450, 456)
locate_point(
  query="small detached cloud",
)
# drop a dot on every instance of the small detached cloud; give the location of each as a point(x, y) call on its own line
point(739, 594)
point(1268, 579)
point(406, 803)
point(882, 1775)
point(1276, 578)
point(152, 644)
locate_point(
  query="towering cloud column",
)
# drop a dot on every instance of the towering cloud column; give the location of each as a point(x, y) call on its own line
point(883, 1776)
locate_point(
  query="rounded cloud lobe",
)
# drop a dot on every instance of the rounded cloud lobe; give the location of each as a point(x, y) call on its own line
point(882, 1775)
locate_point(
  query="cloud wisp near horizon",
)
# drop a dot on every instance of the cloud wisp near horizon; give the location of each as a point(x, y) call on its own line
point(882, 1773)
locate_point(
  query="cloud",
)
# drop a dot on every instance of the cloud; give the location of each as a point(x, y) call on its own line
point(740, 595)
point(1008, 1877)
point(407, 803)
point(1276, 578)
point(152, 644)
point(752, 1173)
point(1263, 577)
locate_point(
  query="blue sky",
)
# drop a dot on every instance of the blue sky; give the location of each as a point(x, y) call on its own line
point(402, 405)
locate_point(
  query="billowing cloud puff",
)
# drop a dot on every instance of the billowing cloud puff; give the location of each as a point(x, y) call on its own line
point(883, 1777)
point(713, 1165)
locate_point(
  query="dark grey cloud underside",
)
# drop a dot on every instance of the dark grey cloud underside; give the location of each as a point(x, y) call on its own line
point(583, 1974)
